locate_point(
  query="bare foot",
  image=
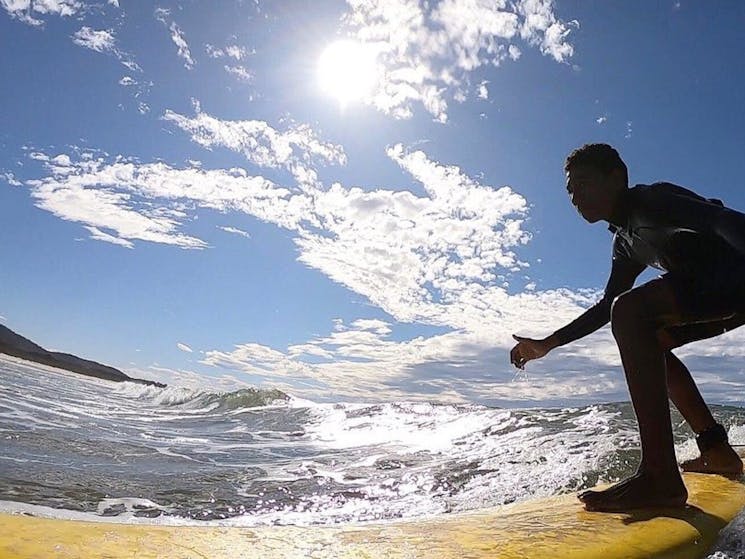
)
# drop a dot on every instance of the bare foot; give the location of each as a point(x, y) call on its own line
point(637, 492)
point(721, 459)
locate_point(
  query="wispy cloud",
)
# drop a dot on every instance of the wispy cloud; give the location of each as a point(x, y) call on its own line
point(445, 258)
point(177, 36)
point(106, 199)
point(97, 235)
point(28, 11)
point(240, 72)
point(483, 91)
point(297, 149)
point(10, 178)
point(104, 41)
point(235, 231)
point(236, 52)
point(184, 347)
point(427, 52)
point(99, 41)
point(361, 361)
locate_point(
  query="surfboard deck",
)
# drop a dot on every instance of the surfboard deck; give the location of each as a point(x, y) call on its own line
point(550, 528)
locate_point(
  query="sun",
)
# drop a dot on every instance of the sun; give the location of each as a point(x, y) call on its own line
point(348, 70)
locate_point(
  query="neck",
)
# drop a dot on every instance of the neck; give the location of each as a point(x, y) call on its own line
point(620, 211)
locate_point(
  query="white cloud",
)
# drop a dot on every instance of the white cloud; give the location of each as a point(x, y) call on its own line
point(541, 28)
point(214, 52)
point(177, 36)
point(360, 361)
point(10, 178)
point(427, 52)
point(442, 258)
point(104, 41)
point(26, 10)
point(483, 91)
point(235, 231)
point(602, 119)
point(124, 200)
point(57, 7)
point(235, 52)
point(132, 65)
point(417, 257)
point(111, 202)
point(296, 150)
point(420, 258)
point(239, 72)
point(99, 41)
point(98, 235)
point(445, 258)
point(184, 347)
point(231, 51)
point(127, 81)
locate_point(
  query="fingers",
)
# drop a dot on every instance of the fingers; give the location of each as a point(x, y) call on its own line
point(517, 358)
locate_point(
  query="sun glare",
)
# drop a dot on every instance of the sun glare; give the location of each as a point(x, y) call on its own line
point(348, 71)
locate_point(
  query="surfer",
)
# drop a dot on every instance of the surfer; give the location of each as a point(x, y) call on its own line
point(700, 245)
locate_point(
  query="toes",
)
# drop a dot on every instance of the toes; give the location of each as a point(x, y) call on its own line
point(693, 465)
point(615, 492)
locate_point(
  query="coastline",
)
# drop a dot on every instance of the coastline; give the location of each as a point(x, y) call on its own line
point(15, 345)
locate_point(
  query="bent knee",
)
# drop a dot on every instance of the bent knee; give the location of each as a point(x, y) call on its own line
point(628, 313)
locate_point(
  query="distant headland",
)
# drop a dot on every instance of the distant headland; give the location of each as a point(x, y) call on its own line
point(18, 346)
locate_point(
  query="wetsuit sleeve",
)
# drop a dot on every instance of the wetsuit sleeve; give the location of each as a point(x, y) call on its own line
point(623, 273)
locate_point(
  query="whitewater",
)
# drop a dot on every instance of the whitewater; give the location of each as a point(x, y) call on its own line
point(77, 447)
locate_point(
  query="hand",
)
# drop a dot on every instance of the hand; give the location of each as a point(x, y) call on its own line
point(527, 349)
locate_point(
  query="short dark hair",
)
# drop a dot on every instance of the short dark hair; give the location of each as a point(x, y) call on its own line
point(599, 156)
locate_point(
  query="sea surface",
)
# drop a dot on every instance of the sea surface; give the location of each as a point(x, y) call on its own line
point(75, 447)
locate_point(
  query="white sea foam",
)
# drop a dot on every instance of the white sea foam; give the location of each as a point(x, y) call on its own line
point(256, 457)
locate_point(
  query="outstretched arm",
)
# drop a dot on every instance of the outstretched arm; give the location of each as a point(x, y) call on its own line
point(623, 274)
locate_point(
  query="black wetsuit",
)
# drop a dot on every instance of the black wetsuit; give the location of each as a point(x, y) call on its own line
point(698, 242)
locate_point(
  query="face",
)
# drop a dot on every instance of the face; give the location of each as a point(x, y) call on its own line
point(591, 192)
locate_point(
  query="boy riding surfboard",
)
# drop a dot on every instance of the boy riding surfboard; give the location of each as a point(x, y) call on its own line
point(699, 244)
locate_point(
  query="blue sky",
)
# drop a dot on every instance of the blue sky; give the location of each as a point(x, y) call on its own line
point(193, 191)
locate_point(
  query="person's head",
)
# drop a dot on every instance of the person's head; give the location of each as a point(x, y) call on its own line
point(596, 176)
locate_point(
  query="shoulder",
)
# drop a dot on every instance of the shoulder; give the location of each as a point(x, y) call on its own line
point(666, 193)
point(668, 205)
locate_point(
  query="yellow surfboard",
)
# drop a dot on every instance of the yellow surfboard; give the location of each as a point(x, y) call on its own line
point(550, 528)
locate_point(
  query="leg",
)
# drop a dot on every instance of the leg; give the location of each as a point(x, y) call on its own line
point(635, 319)
point(685, 395)
point(719, 458)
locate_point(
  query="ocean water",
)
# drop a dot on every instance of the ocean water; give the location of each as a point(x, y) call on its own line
point(74, 447)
